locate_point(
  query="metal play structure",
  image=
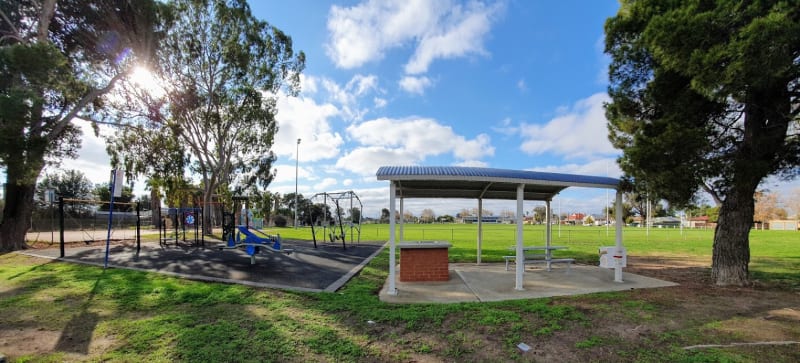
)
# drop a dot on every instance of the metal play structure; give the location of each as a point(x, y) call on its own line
point(334, 225)
point(243, 236)
point(187, 227)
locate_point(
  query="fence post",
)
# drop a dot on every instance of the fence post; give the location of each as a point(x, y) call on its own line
point(138, 230)
point(61, 224)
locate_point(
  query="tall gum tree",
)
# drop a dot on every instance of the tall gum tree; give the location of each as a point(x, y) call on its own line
point(58, 61)
point(223, 68)
point(704, 96)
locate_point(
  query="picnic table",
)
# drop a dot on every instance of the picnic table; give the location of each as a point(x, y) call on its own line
point(540, 254)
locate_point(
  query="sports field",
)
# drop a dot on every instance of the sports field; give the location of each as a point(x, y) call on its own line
point(770, 250)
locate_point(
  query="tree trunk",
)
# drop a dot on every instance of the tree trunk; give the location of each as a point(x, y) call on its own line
point(207, 210)
point(731, 254)
point(155, 207)
point(765, 128)
point(16, 215)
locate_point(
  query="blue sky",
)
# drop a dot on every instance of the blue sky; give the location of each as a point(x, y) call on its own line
point(501, 84)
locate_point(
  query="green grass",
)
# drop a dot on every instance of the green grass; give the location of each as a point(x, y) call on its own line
point(772, 251)
point(151, 317)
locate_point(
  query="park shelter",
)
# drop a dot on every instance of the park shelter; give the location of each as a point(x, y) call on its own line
point(486, 183)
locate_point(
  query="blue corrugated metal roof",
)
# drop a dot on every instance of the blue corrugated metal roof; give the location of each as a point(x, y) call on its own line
point(472, 173)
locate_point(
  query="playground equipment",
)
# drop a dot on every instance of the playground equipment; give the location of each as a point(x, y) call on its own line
point(254, 244)
point(186, 221)
point(336, 230)
point(240, 236)
point(71, 218)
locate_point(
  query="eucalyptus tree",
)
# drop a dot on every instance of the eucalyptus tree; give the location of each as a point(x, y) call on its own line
point(705, 97)
point(58, 62)
point(223, 69)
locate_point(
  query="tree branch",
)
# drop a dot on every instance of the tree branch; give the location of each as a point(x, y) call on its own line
point(91, 96)
point(48, 10)
point(711, 192)
point(15, 32)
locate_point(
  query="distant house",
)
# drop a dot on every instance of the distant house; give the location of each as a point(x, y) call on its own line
point(575, 218)
point(784, 225)
point(666, 222)
point(485, 219)
point(697, 222)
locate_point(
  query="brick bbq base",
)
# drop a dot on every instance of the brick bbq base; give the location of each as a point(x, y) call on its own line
point(424, 264)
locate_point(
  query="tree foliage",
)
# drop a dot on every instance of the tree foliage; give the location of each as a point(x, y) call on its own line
point(68, 184)
point(427, 216)
point(223, 68)
point(58, 61)
point(704, 97)
point(540, 213)
point(767, 207)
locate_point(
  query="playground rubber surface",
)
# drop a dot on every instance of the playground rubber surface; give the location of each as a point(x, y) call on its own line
point(325, 268)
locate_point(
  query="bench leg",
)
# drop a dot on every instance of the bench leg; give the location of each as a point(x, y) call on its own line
point(506, 264)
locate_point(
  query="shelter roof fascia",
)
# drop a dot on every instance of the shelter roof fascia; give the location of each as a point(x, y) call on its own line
point(494, 183)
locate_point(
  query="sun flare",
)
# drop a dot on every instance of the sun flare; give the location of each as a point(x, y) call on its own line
point(144, 79)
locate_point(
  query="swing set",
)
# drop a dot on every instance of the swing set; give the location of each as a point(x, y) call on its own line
point(333, 226)
point(83, 215)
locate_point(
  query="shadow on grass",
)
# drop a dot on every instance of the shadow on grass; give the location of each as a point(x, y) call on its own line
point(144, 316)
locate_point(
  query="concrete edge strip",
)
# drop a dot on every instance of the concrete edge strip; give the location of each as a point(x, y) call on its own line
point(181, 275)
point(464, 281)
point(336, 285)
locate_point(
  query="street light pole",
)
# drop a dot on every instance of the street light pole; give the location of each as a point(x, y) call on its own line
point(296, 168)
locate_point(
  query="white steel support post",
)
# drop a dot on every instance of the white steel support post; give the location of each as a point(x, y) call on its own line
point(480, 228)
point(392, 256)
point(618, 225)
point(402, 220)
point(520, 254)
point(548, 231)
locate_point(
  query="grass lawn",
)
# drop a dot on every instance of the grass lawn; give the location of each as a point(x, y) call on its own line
point(54, 311)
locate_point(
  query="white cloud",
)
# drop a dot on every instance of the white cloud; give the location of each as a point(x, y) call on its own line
point(438, 29)
point(473, 163)
point(308, 84)
point(460, 33)
point(347, 97)
point(578, 133)
point(599, 167)
point(285, 174)
point(347, 182)
point(415, 85)
point(366, 160)
point(325, 184)
point(379, 102)
point(360, 84)
point(93, 160)
point(407, 142)
point(506, 128)
point(304, 118)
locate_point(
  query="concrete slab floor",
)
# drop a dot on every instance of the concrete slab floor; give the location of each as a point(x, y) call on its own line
point(491, 282)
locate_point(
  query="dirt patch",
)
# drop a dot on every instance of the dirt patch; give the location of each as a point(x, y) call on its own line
point(25, 341)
